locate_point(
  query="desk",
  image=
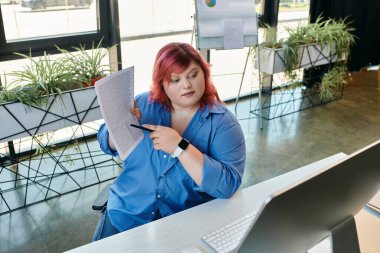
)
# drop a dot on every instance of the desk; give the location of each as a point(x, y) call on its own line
point(175, 232)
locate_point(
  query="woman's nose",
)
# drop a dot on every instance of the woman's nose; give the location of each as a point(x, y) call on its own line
point(187, 84)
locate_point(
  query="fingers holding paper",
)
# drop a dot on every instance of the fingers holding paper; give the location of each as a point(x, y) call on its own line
point(164, 138)
point(135, 111)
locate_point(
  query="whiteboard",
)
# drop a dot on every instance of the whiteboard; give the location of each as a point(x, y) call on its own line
point(226, 24)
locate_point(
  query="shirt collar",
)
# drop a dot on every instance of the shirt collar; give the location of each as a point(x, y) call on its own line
point(217, 108)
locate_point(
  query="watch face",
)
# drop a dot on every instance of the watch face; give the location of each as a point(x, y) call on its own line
point(183, 144)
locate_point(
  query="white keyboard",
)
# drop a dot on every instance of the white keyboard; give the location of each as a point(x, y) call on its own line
point(226, 238)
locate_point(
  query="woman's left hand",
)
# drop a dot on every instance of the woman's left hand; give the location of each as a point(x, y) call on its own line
point(164, 138)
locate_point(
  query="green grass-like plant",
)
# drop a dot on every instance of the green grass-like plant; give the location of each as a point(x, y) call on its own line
point(336, 33)
point(332, 81)
point(38, 79)
point(45, 76)
point(87, 63)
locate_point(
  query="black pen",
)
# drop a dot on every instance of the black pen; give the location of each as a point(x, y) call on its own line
point(141, 127)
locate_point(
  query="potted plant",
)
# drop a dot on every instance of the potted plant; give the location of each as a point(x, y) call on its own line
point(322, 42)
point(87, 63)
point(40, 78)
point(46, 95)
point(333, 81)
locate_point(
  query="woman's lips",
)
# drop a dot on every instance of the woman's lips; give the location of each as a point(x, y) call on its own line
point(188, 94)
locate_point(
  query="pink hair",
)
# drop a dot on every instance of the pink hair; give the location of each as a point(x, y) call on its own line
point(175, 58)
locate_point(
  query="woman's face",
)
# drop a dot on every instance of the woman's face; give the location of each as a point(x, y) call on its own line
point(186, 89)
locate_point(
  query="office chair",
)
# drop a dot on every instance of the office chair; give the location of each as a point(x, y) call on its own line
point(102, 198)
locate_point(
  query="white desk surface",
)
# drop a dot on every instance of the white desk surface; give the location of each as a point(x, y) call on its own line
point(184, 229)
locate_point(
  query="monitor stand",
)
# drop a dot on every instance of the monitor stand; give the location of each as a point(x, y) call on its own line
point(342, 239)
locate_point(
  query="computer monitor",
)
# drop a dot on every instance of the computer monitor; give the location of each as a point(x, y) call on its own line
point(225, 24)
point(298, 217)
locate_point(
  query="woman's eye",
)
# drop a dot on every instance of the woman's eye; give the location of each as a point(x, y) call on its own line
point(193, 75)
point(174, 80)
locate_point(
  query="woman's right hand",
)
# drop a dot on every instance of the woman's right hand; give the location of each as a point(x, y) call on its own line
point(136, 111)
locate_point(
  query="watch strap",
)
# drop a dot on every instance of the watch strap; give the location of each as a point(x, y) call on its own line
point(182, 145)
point(177, 152)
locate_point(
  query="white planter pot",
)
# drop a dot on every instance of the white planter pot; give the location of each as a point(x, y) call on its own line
point(19, 120)
point(272, 60)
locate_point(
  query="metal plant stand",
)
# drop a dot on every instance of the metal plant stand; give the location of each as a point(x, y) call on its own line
point(37, 165)
point(283, 98)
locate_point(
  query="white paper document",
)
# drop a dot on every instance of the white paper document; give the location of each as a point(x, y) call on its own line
point(233, 33)
point(116, 97)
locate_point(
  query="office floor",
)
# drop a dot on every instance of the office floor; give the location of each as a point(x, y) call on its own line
point(283, 144)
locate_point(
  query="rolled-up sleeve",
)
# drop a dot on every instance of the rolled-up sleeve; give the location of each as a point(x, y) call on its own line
point(223, 168)
point(103, 140)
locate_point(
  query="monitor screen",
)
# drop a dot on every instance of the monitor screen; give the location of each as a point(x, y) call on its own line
point(297, 218)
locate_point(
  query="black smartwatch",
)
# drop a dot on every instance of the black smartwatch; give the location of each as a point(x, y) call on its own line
point(182, 145)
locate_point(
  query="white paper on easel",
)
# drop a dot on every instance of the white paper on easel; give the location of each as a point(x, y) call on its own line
point(212, 24)
point(233, 33)
point(115, 95)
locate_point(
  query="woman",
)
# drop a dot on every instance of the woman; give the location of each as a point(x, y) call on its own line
point(195, 153)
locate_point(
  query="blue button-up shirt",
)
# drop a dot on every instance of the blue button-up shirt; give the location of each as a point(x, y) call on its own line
point(151, 181)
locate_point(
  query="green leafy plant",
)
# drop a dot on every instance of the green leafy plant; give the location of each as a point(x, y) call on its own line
point(87, 63)
point(40, 78)
point(332, 81)
point(25, 94)
point(270, 37)
point(337, 34)
point(44, 76)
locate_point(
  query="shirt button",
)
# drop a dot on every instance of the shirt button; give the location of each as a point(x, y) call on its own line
point(164, 156)
point(153, 213)
point(158, 196)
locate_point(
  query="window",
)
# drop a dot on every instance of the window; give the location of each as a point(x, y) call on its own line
point(141, 18)
point(34, 18)
point(291, 13)
point(40, 25)
point(146, 26)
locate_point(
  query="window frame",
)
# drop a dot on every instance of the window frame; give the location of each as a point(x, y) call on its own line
point(270, 9)
point(37, 46)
